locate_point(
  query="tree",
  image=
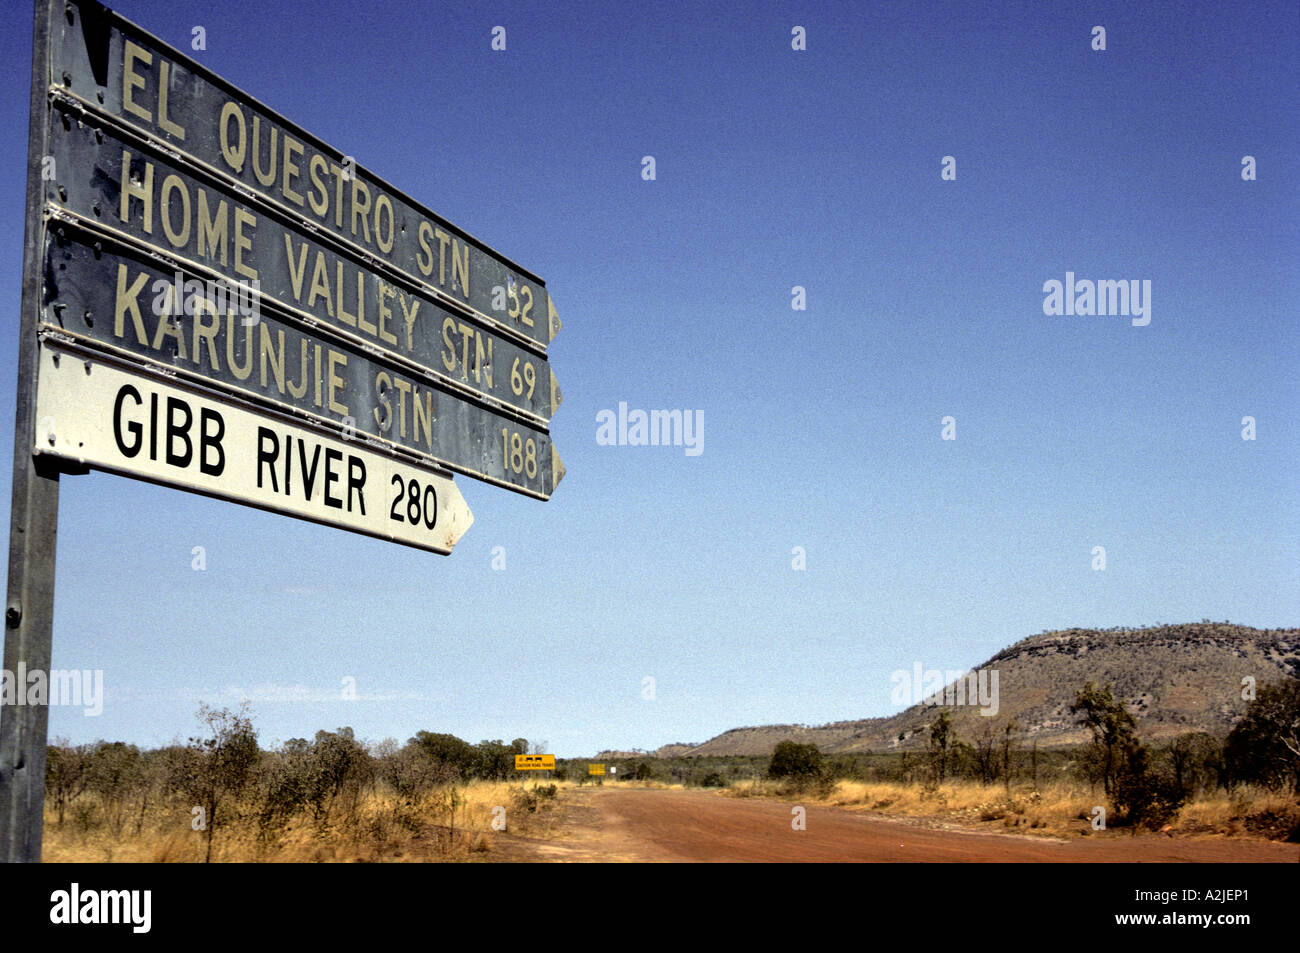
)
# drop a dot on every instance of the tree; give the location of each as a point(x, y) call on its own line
point(1138, 793)
point(66, 773)
point(494, 761)
point(446, 750)
point(1142, 793)
point(1264, 747)
point(337, 766)
point(986, 755)
point(282, 780)
point(798, 762)
point(216, 767)
point(1197, 761)
point(941, 737)
point(1008, 737)
point(316, 776)
point(112, 771)
point(1112, 727)
point(151, 781)
point(410, 772)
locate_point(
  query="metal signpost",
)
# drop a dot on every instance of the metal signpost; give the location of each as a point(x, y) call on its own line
point(215, 300)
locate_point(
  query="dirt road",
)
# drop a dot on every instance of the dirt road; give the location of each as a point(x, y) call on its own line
point(637, 824)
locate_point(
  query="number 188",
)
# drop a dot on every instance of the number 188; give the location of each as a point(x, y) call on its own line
point(520, 455)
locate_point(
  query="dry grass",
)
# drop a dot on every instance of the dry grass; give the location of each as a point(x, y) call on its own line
point(1060, 809)
point(649, 785)
point(1054, 809)
point(1250, 810)
point(382, 828)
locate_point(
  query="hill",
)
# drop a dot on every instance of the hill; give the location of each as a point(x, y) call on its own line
point(1174, 679)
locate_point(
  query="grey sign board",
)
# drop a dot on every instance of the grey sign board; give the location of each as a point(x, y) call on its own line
point(107, 296)
point(205, 223)
point(373, 314)
point(111, 66)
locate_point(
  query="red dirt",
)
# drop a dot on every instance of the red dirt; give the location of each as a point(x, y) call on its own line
point(639, 824)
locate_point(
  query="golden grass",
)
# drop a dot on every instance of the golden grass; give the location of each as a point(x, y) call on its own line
point(381, 828)
point(1059, 808)
point(649, 785)
point(1231, 813)
point(1054, 807)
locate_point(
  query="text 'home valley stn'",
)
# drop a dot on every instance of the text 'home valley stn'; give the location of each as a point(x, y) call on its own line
point(252, 148)
point(160, 199)
point(374, 316)
point(160, 204)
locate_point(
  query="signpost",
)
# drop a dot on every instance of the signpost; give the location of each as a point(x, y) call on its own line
point(596, 769)
point(173, 218)
point(217, 301)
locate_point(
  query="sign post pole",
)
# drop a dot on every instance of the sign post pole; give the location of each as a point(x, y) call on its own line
point(33, 522)
point(449, 374)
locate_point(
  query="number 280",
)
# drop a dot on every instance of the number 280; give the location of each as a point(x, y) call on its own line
point(421, 503)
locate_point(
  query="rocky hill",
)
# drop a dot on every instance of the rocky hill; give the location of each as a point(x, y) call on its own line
point(1174, 679)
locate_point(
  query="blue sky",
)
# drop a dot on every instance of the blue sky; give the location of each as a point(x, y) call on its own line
point(775, 168)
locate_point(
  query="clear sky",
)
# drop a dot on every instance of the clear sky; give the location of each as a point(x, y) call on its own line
point(822, 427)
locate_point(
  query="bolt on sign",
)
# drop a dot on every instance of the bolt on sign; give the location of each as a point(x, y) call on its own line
point(534, 762)
point(216, 300)
point(596, 769)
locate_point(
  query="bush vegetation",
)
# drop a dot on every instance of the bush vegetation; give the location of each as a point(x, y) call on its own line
point(221, 796)
point(434, 796)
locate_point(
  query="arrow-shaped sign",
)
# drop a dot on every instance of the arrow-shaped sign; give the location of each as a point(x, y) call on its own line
point(93, 412)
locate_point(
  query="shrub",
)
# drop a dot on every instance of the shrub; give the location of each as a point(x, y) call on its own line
point(524, 800)
point(1142, 794)
point(1264, 747)
point(795, 762)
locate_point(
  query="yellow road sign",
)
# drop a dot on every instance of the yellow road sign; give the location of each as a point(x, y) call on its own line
point(596, 768)
point(534, 762)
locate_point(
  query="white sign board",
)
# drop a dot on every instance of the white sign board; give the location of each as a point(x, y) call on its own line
point(99, 415)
